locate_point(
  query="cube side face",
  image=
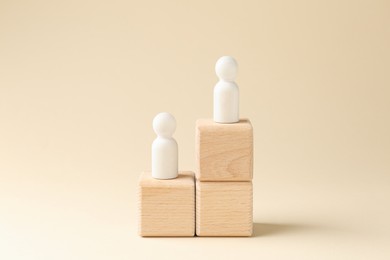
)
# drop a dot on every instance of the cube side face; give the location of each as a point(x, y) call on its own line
point(224, 152)
point(167, 209)
point(224, 208)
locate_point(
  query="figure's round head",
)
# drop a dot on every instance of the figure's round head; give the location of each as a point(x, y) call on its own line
point(226, 68)
point(164, 124)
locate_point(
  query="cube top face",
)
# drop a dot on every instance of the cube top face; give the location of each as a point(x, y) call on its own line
point(224, 152)
point(224, 208)
point(167, 207)
point(184, 179)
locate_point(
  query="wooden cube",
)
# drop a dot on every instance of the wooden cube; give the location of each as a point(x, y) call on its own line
point(224, 152)
point(167, 207)
point(224, 208)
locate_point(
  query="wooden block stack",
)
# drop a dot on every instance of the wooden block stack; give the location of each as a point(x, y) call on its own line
point(224, 159)
point(219, 202)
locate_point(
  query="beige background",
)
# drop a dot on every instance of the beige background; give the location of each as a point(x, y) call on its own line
point(80, 82)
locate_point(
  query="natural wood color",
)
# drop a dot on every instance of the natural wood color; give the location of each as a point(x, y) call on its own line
point(224, 152)
point(167, 207)
point(224, 208)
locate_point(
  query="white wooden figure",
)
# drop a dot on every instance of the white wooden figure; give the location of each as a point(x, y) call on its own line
point(164, 148)
point(226, 93)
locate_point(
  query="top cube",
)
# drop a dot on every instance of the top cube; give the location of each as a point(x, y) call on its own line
point(224, 152)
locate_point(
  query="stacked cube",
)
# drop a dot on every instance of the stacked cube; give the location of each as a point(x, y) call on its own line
point(224, 178)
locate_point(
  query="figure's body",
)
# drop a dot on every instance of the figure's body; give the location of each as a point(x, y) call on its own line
point(226, 92)
point(164, 148)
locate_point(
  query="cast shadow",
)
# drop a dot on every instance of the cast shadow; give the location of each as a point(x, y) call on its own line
point(268, 229)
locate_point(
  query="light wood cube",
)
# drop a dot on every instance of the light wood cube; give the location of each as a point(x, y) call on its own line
point(224, 152)
point(224, 208)
point(167, 207)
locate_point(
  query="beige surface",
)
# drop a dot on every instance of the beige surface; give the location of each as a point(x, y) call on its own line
point(224, 208)
point(167, 207)
point(80, 82)
point(224, 152)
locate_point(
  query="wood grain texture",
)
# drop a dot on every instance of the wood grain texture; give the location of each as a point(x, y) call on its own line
point(224, 208)
point(167, 207)
point(224, 152)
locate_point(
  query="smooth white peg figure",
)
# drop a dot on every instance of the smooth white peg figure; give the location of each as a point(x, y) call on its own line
point(164, 148)
point(226, 93)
